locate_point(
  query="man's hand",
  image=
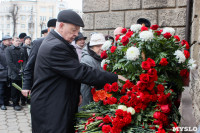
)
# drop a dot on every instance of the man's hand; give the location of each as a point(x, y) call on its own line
point(26, 93)
point(80, 100)
point(121, 78)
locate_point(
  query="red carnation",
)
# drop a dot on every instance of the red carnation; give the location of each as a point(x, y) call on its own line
point(144, 78)
point(144, 28)
point(152, 62)
point(105, 67)
point(124, 40)
point(129, 34)
point(184, 42)
point(154, 27)
point(117, 37)
point(163, 62)
point(124, 99)
point(141, 85)
point(104, 55)
point(119, 112)
point(20, 61)
point(93, 91)
point(167, 35)
point(158, 33)
point(152, 72)
point(112, 49)
point(107, 87)
point(187, 54)
point(160, 88)
point(146, 65)
point(107, 119)
point(114, 87)
point(106, 128)
point(177, 38)
point(157, 115)
point(165, 108)
point(184, 73)
point(124, 30)
point(112, 100)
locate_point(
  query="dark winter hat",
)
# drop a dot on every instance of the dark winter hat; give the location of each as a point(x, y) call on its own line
point(6, 37)
point(144, 21)
point(26, 37)
point(51, 23)
point(22, 35)
point(44, 31)
point(80, 36)
point(69, 16)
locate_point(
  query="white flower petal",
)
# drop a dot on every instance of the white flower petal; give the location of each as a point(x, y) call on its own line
point(132, 53)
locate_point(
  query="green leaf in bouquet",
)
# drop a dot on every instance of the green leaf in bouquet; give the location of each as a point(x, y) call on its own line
point(139, 117)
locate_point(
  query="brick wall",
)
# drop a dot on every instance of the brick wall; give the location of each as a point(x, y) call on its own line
point(105, 15)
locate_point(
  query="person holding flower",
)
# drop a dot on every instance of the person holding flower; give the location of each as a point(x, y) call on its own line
point(58, 74)
point(91, 57)
point(16, 60)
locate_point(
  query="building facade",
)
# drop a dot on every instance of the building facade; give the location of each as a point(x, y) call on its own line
point(31, 17)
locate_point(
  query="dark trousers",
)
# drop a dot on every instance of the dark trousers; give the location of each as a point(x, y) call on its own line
point(4, 93)
point(15, 94)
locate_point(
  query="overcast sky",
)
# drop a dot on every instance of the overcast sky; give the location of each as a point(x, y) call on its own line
point(75, 4)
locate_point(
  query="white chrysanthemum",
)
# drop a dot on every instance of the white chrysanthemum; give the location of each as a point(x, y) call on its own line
point(180, 56)
point(191, 64)
point(131, 110)
point(132, 53)
point(106, 45)
point(169, 29)
point(104, 61)
point(146, 35)
point(122, 107)
point(136, 27)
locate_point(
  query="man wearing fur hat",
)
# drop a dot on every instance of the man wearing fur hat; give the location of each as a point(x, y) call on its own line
point(58, 76)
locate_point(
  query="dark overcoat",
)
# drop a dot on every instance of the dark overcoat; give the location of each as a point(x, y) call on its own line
point(29, 69)
point(3, 63)
point(56, 89)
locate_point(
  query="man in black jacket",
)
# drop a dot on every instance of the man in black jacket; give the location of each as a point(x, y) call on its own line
point(29, 69)
point(58, 76)
point(16, 60)
point(4, 90)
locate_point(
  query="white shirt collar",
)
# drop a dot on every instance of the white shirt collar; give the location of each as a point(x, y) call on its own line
point(57, 32)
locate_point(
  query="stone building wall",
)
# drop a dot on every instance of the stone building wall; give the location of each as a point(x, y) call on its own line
point(195, 53)
point(105, 15)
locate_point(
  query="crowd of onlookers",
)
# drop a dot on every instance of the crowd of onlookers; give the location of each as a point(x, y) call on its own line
point(18, 55)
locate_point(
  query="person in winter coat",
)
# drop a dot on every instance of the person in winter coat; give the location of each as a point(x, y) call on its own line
point(29, 69)
point(91, 57)
point(16, 60)
point(4, 90)
point(79, 43)
point(27, 44)
point(57, 78)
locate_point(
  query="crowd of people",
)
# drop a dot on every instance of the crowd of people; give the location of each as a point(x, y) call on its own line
point(57, 70)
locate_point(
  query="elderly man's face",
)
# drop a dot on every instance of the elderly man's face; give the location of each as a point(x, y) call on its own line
point(69, 31)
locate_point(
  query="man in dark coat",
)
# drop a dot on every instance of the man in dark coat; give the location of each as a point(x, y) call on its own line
point(29, 69)
point(4, 90)
point(58, 76)
point(16, 60)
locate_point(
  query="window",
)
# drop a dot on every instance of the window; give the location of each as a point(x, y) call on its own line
point(23, 17)
point(8, 25)
point(42, 18)
point(8, 18)
point(23, 26)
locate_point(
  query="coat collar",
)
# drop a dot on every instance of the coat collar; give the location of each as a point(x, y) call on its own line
point(63, 40)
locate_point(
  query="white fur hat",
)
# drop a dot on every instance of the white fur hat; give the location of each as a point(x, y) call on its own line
point(96, 39)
